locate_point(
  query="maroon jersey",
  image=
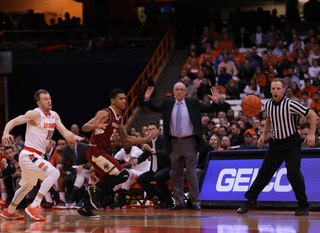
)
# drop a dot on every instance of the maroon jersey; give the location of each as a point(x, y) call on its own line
point(102, 137)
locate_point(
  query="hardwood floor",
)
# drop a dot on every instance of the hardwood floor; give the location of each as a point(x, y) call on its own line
point(160, 221)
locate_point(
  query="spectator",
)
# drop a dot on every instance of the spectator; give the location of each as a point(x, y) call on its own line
point(296, 90)
point(237, 56)
point(229, 65)
point(223, 77)
point(189, 87)
point(215, 142)
point(314, 54)
point(220, 57)
point(225, 143)
point(295, 44)
point(209, 73)
point(226, 42)
point(278, 49)
point(230, 115)
point(310, 45)
point(253, 62)
point(283, 67)
point(252, 88)
point(297, 71)
point(309, 88)
point(222, 131)
point(232, 90)
point(305, 100)
point(237, 137)
point(207, 56)
point(254, 54)
point(316, 101)
point(316, 81)
point(260, 77)
point(314, 69)
point(271, 58)
point(248, 140)
point(204, 122)
point(183, 73)
point(304, 131)
point(244, 118)
point(196, 83)
point(289, 94)
point(256, 124)
point(204, 89)
point(259, 38)
point(216, 49)
point(285, 55)
point(305, 65)
point(293, 77)
point(204, 40)
point(224, 106)
point(245, 74)
point(76, 130)
point(242, 39)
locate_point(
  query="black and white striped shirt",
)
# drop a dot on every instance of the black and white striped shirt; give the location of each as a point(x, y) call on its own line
point(283, 116)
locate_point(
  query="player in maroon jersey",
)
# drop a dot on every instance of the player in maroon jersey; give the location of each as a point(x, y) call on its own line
point(106, 123)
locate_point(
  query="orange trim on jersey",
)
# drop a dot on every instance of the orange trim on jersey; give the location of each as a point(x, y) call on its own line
point(41, 165)
point(30, 149)
point(44, 112)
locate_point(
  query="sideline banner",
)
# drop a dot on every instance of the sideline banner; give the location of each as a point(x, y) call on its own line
point(229, 175)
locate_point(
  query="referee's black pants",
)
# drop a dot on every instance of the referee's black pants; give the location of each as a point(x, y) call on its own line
point(288, 150)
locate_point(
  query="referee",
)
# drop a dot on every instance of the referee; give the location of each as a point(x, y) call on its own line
point(284, 145)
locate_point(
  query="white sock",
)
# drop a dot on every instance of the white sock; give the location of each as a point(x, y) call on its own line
point(62, 196)
point(48, 197)
point(4, 196)
point(36, 202)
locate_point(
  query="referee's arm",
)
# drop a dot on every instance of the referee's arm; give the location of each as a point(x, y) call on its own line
point(310, 139)
point(265, 131)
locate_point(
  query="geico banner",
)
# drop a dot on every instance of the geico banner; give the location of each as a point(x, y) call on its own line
point(228, 180)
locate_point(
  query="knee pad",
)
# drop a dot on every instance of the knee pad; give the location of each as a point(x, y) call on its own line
point(53, 172)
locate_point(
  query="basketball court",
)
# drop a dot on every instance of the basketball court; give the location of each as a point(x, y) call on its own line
point(162, 220)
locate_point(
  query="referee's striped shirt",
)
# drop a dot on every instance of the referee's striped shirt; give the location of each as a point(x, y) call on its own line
point(283, 116)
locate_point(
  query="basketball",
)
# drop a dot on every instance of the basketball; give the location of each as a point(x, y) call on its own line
point(251, 105)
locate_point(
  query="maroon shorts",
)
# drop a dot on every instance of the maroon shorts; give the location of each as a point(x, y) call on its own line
point(103, 163)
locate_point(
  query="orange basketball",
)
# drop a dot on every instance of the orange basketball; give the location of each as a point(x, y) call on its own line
point(251, 105)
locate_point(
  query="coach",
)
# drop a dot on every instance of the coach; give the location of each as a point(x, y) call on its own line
point(285, 145)
point(183, 137)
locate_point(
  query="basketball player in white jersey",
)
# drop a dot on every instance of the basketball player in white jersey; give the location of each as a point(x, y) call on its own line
point(41, 123)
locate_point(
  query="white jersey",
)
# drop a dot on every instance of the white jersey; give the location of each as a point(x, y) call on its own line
point(135, 152)
point(38, 137)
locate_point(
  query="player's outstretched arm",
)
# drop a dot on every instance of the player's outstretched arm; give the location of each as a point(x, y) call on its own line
point(131, 139)
point(98, 122)
point(7, 138)
point(68, 135)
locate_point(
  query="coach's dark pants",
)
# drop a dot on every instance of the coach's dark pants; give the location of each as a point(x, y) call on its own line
point(288, 150)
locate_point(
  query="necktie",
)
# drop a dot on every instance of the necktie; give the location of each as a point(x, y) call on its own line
point(178, 119)
point(74, 157)
point(154, 159)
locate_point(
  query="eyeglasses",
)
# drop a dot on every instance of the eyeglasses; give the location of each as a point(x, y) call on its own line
point(176, 89)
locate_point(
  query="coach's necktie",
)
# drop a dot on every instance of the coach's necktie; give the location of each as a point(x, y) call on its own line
point(178, 119)
point(154, 158)
point(74, 157)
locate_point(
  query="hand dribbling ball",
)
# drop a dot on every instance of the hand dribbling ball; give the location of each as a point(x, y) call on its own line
point(251, 105)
